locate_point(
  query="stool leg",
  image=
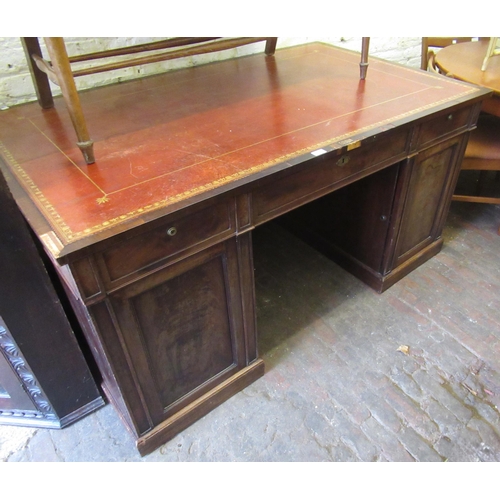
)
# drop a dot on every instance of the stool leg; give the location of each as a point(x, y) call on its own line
point(270, 46)
point(62, 68)
point(363, 65)
point(31, 47)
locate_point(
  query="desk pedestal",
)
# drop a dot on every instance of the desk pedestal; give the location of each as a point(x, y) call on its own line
point(387, 224)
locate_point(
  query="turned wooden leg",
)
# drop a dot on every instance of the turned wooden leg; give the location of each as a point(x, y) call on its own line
point(270, 46)
point(363, 65)
point(31, 48)
point(62, 69)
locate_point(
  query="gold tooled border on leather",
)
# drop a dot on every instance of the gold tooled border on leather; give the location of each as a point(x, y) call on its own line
point(67, 236)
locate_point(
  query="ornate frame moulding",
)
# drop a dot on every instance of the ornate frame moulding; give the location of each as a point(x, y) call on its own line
point(20, 367)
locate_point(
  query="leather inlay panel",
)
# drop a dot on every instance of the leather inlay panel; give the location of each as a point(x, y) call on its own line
point(165, 139)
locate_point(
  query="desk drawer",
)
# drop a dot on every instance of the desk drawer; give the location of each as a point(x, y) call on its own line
point(323, 174)
point(446, 124)
point(177, 235)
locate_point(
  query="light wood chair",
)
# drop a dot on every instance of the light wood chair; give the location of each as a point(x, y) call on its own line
point(429, 44)
point(483, 154)
point(483, 149)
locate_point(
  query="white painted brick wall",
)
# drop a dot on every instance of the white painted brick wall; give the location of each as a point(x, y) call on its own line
point(16, 86)
point(396, 49)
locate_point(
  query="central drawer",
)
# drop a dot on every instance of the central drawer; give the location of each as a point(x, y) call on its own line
point(322, 175)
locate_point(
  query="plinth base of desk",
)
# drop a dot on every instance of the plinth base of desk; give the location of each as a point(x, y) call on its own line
point(380, 283)
point(168, 429)
point(375, 280)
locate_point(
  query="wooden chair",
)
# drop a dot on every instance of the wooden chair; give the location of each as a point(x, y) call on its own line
point(438, 42)
point(59, 70)
point(483, 154)
point(483, 149)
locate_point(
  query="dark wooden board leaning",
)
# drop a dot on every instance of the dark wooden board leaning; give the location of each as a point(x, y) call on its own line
point(44, 377)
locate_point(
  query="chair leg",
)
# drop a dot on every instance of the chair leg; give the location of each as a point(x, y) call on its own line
point(31, 48)
point(363, 65)
point(271, 46)
point(62, 69)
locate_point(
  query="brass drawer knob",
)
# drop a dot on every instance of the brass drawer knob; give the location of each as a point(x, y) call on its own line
point(172, 231)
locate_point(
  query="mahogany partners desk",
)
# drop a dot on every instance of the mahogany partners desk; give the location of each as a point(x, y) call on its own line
point(154, 241)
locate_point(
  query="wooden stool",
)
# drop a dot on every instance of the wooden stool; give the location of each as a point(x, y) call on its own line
point(58, 70)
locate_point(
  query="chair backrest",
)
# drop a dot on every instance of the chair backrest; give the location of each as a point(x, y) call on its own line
point(170, 48)
point(438, 42)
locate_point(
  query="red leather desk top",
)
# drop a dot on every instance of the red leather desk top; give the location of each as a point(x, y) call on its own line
point(183, 135)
